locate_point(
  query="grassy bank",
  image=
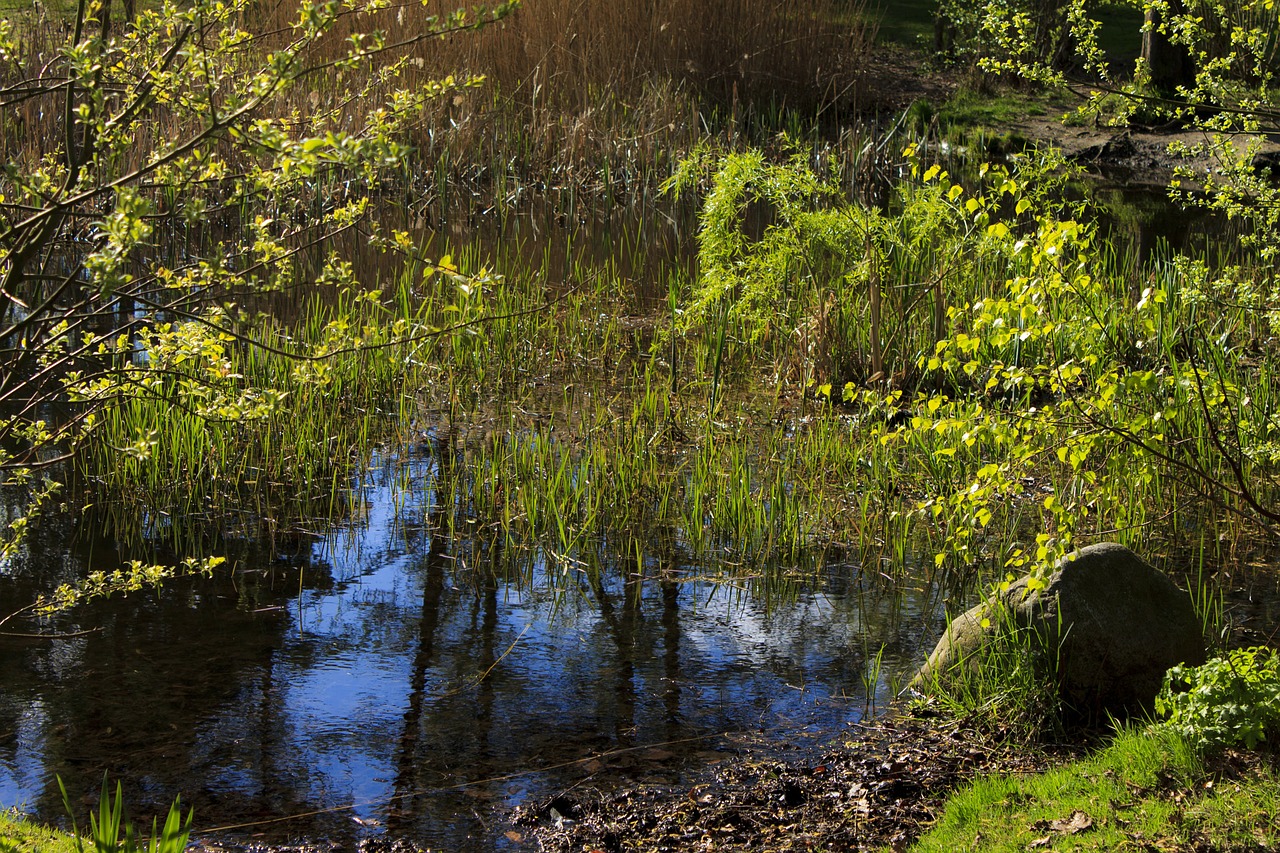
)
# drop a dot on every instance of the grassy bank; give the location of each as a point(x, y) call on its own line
point(1144, 790)
point(19, 835)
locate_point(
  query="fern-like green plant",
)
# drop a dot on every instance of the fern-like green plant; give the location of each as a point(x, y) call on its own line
point(791, 260)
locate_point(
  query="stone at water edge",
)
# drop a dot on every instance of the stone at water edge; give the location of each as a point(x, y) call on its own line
point(1117, 622)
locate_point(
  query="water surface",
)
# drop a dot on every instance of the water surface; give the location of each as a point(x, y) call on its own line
point(418, 689)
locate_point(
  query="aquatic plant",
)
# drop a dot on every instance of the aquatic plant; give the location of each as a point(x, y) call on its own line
point(111, 831)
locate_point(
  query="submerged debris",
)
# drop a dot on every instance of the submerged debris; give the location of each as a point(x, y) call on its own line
point(882, 785)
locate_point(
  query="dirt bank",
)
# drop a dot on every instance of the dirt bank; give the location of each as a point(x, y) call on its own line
point(1143, 154)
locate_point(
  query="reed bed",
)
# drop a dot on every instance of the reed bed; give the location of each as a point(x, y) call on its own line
point(581, 414)
point(605, 96)
point(609, 95)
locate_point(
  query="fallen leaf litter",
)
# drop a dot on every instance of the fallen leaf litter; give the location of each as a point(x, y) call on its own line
point(883, 784)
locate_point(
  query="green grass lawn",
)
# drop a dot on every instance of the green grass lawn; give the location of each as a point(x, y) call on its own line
point(1121, 35)
point(910, 23)
point(1144, 791)
point(56, 9)
point(968, 109)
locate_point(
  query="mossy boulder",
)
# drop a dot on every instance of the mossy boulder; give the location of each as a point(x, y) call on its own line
point(1107, 624)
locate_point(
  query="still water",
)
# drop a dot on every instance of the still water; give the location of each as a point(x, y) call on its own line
point(401, 680)
point(376, 677)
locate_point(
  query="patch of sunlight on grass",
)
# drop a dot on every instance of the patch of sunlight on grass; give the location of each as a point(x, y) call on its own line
point(1146, 789)
point(19, 834)
point(905, 22)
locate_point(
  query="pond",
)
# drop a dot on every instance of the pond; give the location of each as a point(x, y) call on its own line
point(375, 673)
point(376, 676)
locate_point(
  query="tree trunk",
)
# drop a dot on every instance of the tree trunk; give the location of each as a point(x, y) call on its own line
point(1170, 64)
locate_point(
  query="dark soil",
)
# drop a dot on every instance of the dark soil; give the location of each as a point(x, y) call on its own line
point(1143, 154)
point(895, 77)
point(880, 785)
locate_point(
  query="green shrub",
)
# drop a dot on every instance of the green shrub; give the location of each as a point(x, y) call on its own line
point(1229, 700)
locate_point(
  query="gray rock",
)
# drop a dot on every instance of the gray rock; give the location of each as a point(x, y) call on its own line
point(1116, 624)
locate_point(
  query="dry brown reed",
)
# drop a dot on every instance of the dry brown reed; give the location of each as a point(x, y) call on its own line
point(606, 96)
point(568, 53)
point(29, 129)
point(632, 83)
point(572, 84)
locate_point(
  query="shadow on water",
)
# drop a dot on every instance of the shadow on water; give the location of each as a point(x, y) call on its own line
point(423, 687)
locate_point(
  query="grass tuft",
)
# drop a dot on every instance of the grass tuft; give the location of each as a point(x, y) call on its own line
point(21, 835)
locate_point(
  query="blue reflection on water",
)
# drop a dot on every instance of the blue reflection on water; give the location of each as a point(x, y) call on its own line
point(395, 681)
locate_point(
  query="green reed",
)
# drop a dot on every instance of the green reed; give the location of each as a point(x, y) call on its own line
point(578, 412)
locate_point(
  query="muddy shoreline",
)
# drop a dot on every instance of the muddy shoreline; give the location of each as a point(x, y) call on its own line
point(879, 783)
point(1136, 156)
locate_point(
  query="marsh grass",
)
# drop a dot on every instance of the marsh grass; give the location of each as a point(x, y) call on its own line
point(20, 835)
point(1009, 684)
point(283, 415)
point(578, 413)
point(647, 423)
point(110, 830)
point(177, 468)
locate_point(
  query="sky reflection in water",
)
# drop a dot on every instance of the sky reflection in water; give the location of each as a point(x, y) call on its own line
point(389, 675)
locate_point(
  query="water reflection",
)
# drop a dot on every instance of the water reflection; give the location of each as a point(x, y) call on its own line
point(384, 678)
point(386, 670)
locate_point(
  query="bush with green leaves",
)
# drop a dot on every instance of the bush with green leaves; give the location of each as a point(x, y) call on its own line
point(157, 179)
point(1211, 67)
point(1230, 700)
point(842, 288)
point(961, 29)
point(1027, 393)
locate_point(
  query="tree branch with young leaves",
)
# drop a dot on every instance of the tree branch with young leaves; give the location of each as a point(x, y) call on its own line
point(163, 174)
